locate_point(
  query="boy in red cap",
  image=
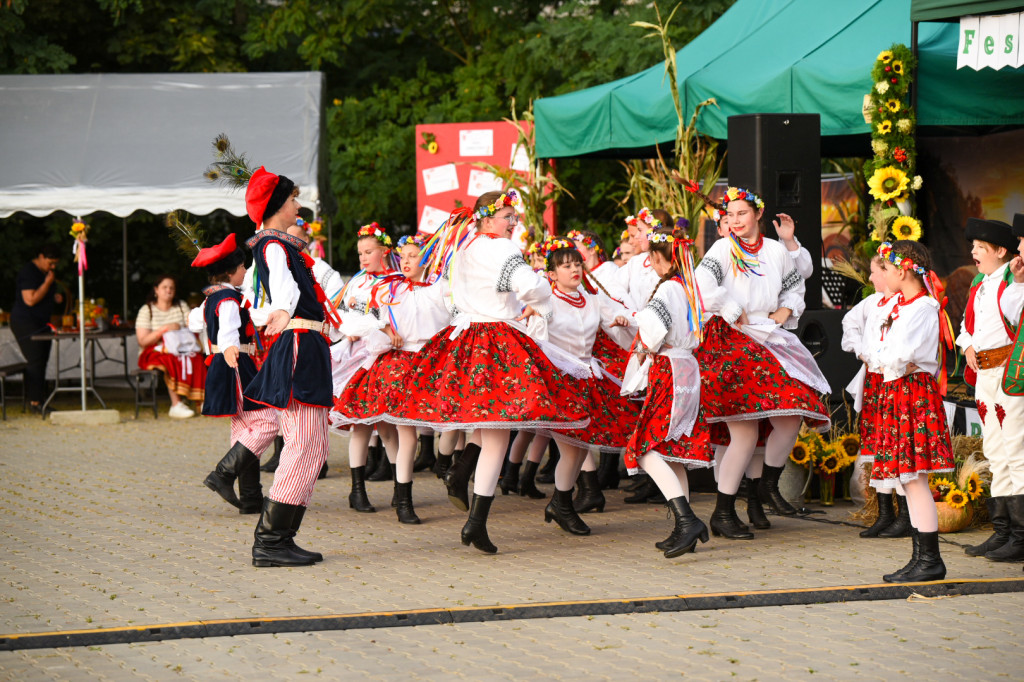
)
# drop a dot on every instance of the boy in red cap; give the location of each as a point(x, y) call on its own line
point(231, 368)
point(295, 378)
point(987, 338)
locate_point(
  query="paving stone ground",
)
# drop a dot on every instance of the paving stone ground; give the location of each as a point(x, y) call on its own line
point(112, 527)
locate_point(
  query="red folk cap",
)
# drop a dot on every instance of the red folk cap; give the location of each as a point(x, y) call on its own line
point(257, 194)
point(212, 254)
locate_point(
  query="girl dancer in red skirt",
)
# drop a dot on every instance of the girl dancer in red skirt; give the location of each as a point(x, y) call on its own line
point(913, 439)
point(670, 435)
point(577, 317)
point(485, 371)
point(751, 369)
point(862, 337)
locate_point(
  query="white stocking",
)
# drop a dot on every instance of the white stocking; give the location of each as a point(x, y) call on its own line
point(519, 446)
point(389, 437)
point(407, 441)
point(756, 466)
point(742, 439)
point(589, 463)
point(447, 442)
point(493, 443)
point(568, 467)
point(719, 453)
point(358, 441)
point(781, 440)
point(923, 514)
point(462, 441)
point(670, 477)
point(537, 448)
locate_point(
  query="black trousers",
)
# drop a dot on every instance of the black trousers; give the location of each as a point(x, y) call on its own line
point(37, 354)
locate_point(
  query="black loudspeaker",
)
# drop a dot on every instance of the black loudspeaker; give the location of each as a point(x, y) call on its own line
point(779, 157)
point(821, 331)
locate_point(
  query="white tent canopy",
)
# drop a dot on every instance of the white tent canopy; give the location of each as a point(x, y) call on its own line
point(125, 142)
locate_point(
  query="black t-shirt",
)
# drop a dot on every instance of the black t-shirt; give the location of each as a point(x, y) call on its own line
point(31, 277)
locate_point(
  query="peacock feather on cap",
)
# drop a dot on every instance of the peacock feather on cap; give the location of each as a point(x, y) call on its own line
point(229, 167)
point(187, 235)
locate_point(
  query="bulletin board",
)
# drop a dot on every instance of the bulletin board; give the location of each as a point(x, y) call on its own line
point(445, 175)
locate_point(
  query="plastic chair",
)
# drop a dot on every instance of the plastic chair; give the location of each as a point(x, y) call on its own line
point(143, 380)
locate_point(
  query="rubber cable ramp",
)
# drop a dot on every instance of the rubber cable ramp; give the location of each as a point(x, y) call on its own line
point(484, 614)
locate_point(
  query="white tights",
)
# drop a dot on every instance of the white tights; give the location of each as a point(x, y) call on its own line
point(359, 442)
point(493, 444)
point(568, 467)
point(739, 459)
point(923, 514)
point(448, 442)
point(407, 440)
point(589, 463)
point(670, 477)
point(519, 446)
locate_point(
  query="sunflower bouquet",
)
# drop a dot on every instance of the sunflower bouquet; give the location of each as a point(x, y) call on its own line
point(827, 459)
point(961, 493)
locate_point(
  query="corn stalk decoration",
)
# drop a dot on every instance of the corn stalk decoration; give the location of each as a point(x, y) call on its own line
point(538, 186)
point(656, 182)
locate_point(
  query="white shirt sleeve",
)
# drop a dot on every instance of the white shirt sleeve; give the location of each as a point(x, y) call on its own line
point(195, 319)
point(854, 323)
point(229, 322)
point(1012, 302)
point(803, 262)
point(531, 289)
point(710, 275)
point(284, 292)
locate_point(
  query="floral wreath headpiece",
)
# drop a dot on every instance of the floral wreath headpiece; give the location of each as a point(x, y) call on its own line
point(624, 236)
point(588, 241)
point(734, 193)
point(413, 239)
point(377, 232)
point(901, 262)
point(536, 247)
point(646, 216)
point(509, 198)
point(552, 244)
point(659, 237)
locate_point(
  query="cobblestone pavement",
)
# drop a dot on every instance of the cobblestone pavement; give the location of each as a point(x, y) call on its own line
point(112, 527)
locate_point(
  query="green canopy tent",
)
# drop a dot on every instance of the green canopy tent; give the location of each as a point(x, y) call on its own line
point(781, 56)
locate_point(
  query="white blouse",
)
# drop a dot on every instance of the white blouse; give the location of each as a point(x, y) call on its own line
point(989, 308)
point(862, 326)
point(491, 282)
point(663, 321)
point(574, 330)
point(419, 313)
point(230, 321)
point(638, 279)
point(912, 338)
point(728, 294)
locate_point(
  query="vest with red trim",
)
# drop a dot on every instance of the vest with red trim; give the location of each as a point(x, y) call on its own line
point(970, 376)
point(221, 393)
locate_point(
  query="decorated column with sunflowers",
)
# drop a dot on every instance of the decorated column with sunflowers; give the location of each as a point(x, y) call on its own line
point(891, 173)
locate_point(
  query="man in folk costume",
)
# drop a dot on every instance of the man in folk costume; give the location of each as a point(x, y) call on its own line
point(295, 378)
point(987, 337)
point(231, 368)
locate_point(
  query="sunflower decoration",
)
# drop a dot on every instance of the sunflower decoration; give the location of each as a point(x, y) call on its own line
point(831, 463)
point(885, 127)
point(850, 444)
point(893, 105)
point(941, 486)
point(974, 487)
point(888, 183)
point(897, 67)
point(907, 227)
point(956, 498)
point(885, 56)
point(801, 455)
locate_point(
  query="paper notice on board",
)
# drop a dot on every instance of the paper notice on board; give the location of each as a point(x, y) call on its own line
point(476, 143)
point(519, 160)
point(431, 219)
point(440, 179)
point(481, 181)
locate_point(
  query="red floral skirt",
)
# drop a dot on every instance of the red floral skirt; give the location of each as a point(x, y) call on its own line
point(741, 379)
point(373, 392)
point(652, 426)
point(870, 413)
point(184, 375)
point(612, 418)
point(610, 354)
point(912, 436)
point(491, 376)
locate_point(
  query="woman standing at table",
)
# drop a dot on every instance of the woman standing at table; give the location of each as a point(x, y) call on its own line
point(33, 305)
point(184, 374)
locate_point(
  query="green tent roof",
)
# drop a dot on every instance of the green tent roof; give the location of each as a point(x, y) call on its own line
point(950, 10)
point(780, 56)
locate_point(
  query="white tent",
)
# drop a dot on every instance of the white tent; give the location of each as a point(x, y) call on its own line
point(125, 142)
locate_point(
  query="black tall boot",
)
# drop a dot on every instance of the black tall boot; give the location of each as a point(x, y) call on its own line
point(444, 463)
point(755, 512)
point(271, 464)
point(475, 530)
point(1000, 516)
point(929, 564)
point(274, 537)
point(608, 470)
point(560, 510)
point(509, 483)
point(768, 491)
point(425, 458)
point(457, 478)
point(404, 508)
point(647, 493)
point(383, 471)
point(357, 499)
point(296, 522)
point(900, 527)
point(546, 474)
point(885, 517)
point(323, 472)
point(222, 479)
point(915, 554)
point(724, 521)
point(527, 482)
point(394, 477)
point(250, 491)
point(688, 529)
point(590, 498)
point(1013, 550)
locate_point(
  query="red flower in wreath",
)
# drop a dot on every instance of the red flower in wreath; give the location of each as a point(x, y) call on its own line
point(1000, 414)
point(982, 411)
